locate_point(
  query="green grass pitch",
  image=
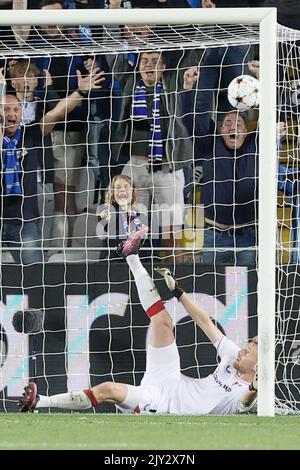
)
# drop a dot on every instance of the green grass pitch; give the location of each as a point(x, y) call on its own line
point(122, 432)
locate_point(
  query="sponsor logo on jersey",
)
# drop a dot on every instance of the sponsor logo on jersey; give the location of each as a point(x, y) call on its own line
point(220, 383)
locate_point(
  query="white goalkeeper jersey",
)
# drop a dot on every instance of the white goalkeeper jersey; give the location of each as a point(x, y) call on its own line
point(219, 393)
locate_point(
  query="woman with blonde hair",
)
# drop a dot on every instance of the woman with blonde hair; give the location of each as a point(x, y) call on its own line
point(118, 216)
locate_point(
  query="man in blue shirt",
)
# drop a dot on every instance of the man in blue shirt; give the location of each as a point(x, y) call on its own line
point(229, 193)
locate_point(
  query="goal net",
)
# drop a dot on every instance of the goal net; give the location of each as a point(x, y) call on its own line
point(148, 102)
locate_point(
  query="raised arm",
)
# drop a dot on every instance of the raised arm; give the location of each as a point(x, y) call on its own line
point(65, 106)
point(201, 317)
point(196, 312)
point(197, 121)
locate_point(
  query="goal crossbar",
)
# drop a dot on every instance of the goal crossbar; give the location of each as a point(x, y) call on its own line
point(136, 16)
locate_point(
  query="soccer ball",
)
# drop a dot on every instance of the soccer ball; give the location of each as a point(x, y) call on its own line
point(243, 92)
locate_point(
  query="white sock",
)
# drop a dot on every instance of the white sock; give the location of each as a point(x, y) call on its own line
point(133, 398)
point(44, 402)
point(145, 286)
point(68, 401)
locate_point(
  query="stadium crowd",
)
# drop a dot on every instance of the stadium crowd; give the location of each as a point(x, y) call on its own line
point(80, 131)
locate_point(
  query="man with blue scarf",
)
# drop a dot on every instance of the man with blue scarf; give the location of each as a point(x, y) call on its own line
point(153, 139)
point(20, 150)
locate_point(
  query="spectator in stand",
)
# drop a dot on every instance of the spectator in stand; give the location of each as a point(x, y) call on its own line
point(153, 138)
point(24, 80)
point(20, 149)
point(68, 136)
point(118, 216)
point(230, 181)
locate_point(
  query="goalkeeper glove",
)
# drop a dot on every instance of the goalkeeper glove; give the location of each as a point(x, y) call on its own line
point(171, 282)
point(254, 383)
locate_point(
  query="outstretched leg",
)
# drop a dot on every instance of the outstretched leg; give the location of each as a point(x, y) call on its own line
point(161, 322)
point(127, 396)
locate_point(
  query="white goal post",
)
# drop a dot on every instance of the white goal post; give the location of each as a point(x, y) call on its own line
point(266, 18)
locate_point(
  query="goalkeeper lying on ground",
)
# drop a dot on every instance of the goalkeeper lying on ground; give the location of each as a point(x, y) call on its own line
point(230, 389)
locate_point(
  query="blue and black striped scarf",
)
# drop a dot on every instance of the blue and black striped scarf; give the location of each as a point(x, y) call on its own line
point(140, 111)
point(11, 165)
